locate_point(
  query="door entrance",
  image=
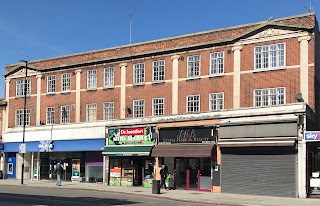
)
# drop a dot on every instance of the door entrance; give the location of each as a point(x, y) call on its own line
point(180, 174)
point(193, 174)
point(44, 166)
point(187, 173)
point(137, 175)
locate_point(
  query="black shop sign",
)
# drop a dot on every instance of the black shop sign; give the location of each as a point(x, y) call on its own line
point(187, 135)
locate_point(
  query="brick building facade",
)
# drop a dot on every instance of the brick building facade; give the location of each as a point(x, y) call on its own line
point(239, 82)
point(3, 105)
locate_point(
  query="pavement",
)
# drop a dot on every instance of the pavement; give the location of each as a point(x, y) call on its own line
point(179, 195)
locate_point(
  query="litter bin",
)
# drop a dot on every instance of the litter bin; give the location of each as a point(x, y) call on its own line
point(155, 186)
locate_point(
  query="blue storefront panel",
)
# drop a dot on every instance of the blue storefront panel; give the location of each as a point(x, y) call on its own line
point(60, 145)
point(11, 165)
point(79, 145)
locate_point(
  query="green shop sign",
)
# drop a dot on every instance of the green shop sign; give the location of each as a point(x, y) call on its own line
point(130, 136)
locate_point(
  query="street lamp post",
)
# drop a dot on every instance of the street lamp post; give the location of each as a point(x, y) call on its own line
point(24, 117)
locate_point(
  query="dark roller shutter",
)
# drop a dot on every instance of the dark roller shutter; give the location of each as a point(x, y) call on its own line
point(267, 171)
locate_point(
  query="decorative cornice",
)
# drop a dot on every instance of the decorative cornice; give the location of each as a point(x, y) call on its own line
point(8, 80)
point(238, 47)
point(304, 38)
point(77, 71)
point(123, 65)
point(39, 76)
point(175, 57)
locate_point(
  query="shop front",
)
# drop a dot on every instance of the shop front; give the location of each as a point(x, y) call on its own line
point(128, 152)
point(312, 139)
point(81, 159)
point(190, 155)
point(259, 158)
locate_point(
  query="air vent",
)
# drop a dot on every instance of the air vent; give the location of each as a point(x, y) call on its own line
point(73, 107)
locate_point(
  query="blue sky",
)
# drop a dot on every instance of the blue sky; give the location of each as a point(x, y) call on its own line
point(43, 29)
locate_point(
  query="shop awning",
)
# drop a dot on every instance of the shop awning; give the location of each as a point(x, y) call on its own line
point(120, 150)
point(183, 150)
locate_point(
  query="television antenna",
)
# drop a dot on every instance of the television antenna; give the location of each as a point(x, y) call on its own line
point(309, 9)
point(130, 16)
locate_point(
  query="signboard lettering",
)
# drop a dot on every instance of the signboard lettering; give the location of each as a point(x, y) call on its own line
point(45, 146)
point(134, 131)
point(312, 136)
point(315, 186)
point(130, 136)
point(186, 135)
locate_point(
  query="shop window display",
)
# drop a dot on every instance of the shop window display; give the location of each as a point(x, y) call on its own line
point(127, 173)
point(115, 172)
point(131, 172)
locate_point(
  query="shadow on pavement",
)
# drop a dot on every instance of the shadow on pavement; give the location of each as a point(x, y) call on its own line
point(24, 199)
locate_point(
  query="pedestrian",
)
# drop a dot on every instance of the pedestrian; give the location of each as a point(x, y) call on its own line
point(163, 174)
point(59, 171)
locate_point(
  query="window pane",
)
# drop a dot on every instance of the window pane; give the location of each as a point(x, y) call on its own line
point(270, 56)
point(216, 101)
point(66, 82)
point(50, 115)
point(269, 97)
point(92, 79)
point(217, 61)
point(51, 83)
point(108, 108)
point(158, 107)
point(138, 73)
point(158, 71)
point(20, 117)
point(65, 114)
point(20, 87)
point(193, 103)
point(194, 66)
point(108, 77)
point(91, 112)
point(138, 108)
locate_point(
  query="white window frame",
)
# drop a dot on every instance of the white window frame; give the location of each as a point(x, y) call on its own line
point(108, 110)
point(92, 79)
point(109, 77)
point(65, 114)
point(91, 112)
point(193, 66)
point(20, 87)
point(217, 63)
point(50, 115)
point(51, 84)
point(158, 71)
point(157, 106)
point(138, 73)
point(269, 57)
point(138, 108)
point(193, 102)
point(66, 82)
point(19, 116)
point(269, 97)
point(216, 101)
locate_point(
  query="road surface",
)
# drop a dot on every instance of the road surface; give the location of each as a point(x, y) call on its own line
point(34, 196)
